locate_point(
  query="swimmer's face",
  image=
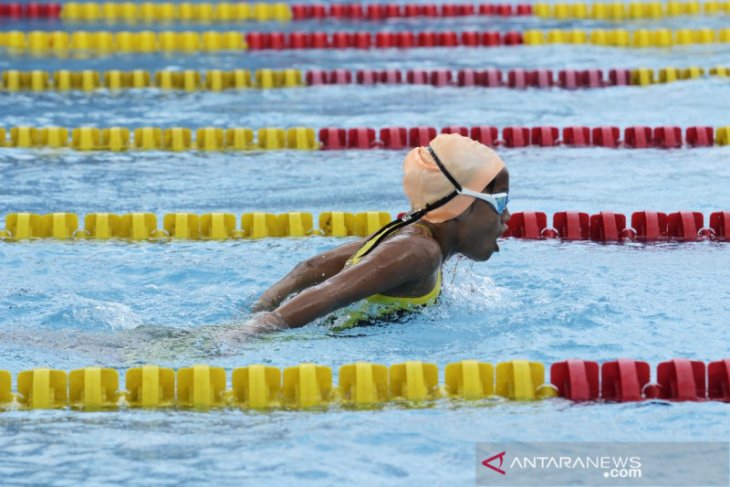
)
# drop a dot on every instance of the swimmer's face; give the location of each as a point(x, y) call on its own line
point(480, 225)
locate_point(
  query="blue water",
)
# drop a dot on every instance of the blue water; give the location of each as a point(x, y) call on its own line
point(117, 304)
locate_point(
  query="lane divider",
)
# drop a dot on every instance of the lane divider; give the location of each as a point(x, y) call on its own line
point(606, 227)
point(262, 12)
point(219, 80)
point(54, 42)
point(149, 11)
point(363, 385)
point(356, 138)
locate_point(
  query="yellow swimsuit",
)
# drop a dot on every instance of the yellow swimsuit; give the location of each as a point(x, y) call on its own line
point(388, 304)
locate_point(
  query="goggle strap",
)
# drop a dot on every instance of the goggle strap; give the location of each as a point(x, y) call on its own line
point(443, 169)
point(406, 220)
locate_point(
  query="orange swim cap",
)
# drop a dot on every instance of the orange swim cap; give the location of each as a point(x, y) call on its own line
point(472, 164)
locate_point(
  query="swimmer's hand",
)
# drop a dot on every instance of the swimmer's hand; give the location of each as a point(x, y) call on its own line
point(267, 322)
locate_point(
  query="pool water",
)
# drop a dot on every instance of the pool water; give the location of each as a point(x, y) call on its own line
point(72, 304)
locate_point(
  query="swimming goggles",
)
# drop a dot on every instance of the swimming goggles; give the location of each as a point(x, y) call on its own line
point(498, 201)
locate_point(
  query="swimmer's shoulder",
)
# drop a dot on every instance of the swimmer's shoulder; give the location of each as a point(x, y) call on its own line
point(413, 245)
point(421, 245)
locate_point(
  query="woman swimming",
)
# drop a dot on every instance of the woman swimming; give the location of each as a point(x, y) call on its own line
point(458, 190)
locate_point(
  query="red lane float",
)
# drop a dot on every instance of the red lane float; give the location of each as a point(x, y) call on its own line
point(577, 136)
point(394, 137)
point(417, 77)
point(339, 77)
point(619, 77)
point(315, 78)
point(367, 77)
point(361, 138)
point(333, 139)
point(391, 76)
point(610, 227)
point(544, 136)
point(606, 136)
point(575, 379)
point(638, 137)
point(592, 78)
point(681, 380)
point(527, 225)
point(572, 225)
point(623, 380)
point(607, 226)
point(667, 137)
point(718, 383)
point(440, 78)
point(700, 136)
point(485, 134)
point(650, 226)
point(516, 136)
point(469, 77)
point(455, 129)
point(570, 79)
point(720, 225)
point(541, 78)
point(420, 136)
point(685, 225)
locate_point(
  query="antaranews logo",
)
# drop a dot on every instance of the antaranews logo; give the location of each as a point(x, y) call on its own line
point(499, 456)
point(611, 464)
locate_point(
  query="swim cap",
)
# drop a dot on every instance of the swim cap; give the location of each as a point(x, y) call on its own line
point(472, 164)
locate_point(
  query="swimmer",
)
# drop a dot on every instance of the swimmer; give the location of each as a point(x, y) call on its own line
point(458, 191)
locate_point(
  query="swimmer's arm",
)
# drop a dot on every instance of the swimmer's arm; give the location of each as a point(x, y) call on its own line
point(307, 273)
point(392, 267)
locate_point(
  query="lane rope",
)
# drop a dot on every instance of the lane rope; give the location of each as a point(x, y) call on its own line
point(178, 139)
point(106, 42)
point(363, 384)
point(220, 80)
point(606, 227)
point(259, 12)
point(282, 12)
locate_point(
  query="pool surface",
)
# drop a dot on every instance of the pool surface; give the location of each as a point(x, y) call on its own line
point(68, 305)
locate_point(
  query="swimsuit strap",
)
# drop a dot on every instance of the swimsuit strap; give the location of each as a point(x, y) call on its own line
point(368, 246)
point(378, 237)
point(426, 227)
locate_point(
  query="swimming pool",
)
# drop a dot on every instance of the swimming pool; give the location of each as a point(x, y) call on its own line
point(67, 305)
